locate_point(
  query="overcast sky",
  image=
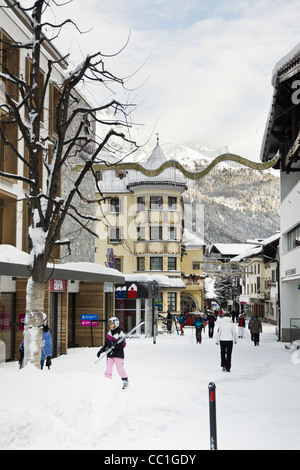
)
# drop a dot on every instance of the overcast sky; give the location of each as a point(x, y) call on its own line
point(205, 66)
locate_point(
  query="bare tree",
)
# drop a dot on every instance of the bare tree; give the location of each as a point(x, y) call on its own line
point(72, 134)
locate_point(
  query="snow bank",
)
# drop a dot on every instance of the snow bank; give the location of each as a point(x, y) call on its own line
point(48, 410)
point(73, 406)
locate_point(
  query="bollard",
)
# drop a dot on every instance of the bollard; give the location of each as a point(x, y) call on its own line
point(212, 415)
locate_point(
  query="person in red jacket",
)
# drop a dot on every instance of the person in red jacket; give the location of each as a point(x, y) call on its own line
point(241, 325)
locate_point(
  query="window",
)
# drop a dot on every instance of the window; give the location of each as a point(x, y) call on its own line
point(172, 233)
point(8, 302)
point(156, 264)
point(98, 174)
point(118, 264)
point(294, 238)
point(141, 264)
point(156, 202)
point(8, 218)
point(172, 203)
point(28, 74)
point(141, 203)
point(172, 301)
point(196, 264)
point(54, 111)
point(9, 63)
point(172, 264)
point(115, 205)
point(8, 142)
point(156, 233)
point(115, 235)
point(140, 233)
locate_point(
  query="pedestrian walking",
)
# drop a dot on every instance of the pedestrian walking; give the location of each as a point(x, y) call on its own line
point(211, 320)
point(46, 347)
point(226, 336)
point(241, 326)
point(116, 355)
point(199, 324)
point(256, 329)
point(249, 326)
point(181, 321)
point(169, 321)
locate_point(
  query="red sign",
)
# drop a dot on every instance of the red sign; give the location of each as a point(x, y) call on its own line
point(21, 320)
point(58, 285)
point(88, 323)
point(4, 321)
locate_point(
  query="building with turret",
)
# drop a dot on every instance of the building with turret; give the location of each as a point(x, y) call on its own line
point(144, 230)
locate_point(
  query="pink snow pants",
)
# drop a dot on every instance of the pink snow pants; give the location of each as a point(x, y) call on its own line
point(119, 361)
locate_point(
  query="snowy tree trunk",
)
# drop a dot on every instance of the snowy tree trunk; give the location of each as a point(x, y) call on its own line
point(71, 121)
point(33, 330)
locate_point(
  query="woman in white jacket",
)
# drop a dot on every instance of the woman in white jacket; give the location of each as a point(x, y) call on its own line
point(226, 335)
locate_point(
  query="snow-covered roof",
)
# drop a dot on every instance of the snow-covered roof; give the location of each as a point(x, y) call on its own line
point(255, 247)
point(267, 241)
point(248, 253)
point(156, 159)
point(161, 279)
point(285, 68)
point(14, 262)
point(192, 241)
point(229, 249)
point(111, 183)
point(285, 61)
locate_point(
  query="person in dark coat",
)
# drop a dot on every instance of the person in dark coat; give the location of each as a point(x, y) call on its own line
point(256, 329)
point(211, 320)
point(249, 326)
point(169, 321)
point(199, 323)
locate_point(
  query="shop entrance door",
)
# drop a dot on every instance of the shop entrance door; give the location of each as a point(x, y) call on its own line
point(7, 327)
point(56, 323)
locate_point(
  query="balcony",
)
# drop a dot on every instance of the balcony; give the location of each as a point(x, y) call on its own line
point(161, 247)
point(158, 217)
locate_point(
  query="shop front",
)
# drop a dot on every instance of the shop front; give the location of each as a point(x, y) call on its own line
point(133, 304)
point(73, 291)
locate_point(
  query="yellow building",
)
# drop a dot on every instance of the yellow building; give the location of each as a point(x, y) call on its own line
point(142, 224)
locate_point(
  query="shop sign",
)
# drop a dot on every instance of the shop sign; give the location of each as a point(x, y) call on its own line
point(133, 290)
point(21, 321)
point(58, 285)
point(108, 287)
point(88, 320)
point(111, 262)
point(4, 321)
point(290, 272)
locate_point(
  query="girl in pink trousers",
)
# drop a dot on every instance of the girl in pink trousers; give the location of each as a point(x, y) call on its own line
point(116, 355)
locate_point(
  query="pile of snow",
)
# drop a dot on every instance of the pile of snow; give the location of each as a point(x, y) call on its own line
point(10, 254)
point(73, 406)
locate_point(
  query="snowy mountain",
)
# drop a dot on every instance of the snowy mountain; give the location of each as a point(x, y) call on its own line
point(239, 202)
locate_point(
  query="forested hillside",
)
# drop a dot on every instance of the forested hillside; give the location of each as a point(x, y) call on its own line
point(239, 202)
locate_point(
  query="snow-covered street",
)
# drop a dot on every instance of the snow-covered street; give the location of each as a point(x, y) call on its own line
point(166, 405)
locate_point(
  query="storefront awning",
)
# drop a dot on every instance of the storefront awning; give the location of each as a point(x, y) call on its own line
point(13, 262)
